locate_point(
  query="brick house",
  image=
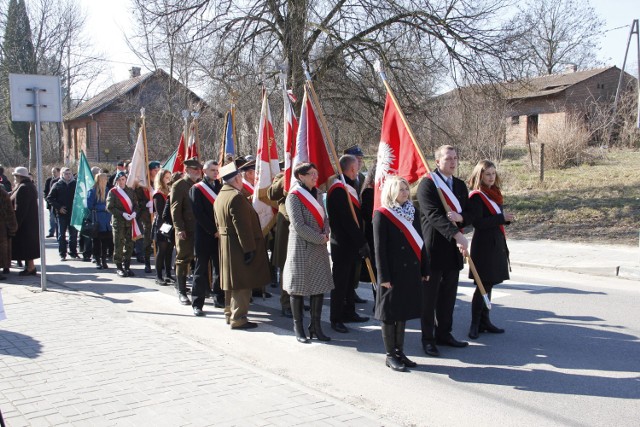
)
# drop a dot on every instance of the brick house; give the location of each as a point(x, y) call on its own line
point(106, 126)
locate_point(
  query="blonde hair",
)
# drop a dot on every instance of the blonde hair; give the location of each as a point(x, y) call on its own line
point(100, 186)
point(158, 182)
point(391, 189)
point(475, 179)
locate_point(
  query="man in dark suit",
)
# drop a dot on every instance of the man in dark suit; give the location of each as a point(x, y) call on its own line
point(445, 246)
point(207, 269)
point(348, 245)
point(53, 222)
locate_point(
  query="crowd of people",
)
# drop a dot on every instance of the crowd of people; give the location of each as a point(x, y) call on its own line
point(202, 225)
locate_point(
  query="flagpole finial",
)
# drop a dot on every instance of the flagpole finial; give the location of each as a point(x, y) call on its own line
point(142, 112)
point(185, 114)
point(377, 65)
point(195, 114)
point(305, 67)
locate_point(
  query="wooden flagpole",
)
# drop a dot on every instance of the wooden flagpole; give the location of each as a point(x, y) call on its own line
point(447, 209)
point(327, 137)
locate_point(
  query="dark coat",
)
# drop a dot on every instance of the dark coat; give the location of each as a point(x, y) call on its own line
point(437, 230)
point(8, 227)
point(25, 245)
point(240, 233)
point(347, 235)
point(181, 209)
point(4, 181)
point(62, 194)
point(489, 250)
point(277, 194)
point(160, 203)
point(144, 197)
point(103, 217)
point(206, 228)
point(398, 264)
point(47, 188)
point(366, 200)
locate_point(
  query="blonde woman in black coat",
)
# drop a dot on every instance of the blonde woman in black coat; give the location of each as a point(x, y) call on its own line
point(402, 264)
point(489, 250)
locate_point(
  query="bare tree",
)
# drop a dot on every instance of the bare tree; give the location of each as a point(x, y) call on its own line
point(558, 33)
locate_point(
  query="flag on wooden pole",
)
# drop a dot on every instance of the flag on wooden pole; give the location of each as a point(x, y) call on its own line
point(290, 131)
point(267, 164)
point(84, 181)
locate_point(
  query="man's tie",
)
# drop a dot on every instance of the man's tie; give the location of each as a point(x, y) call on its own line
point(450, 183)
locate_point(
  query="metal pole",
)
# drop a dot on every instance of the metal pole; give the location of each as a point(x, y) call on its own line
point(43, 263)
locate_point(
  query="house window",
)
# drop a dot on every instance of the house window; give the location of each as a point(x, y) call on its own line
point(515, 120)
point(600, 86)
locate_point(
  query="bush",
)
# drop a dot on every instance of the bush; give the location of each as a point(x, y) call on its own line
point(565, 144)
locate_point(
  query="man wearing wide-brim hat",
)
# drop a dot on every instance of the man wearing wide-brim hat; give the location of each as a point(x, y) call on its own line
point(184, 223)
point(243, 254)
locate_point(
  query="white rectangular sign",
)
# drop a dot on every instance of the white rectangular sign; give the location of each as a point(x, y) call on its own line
point(22, 89)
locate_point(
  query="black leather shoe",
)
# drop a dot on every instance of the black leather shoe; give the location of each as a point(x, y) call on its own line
point(394, 363)
point(198, 312)
point(354, 318)
point(405, 360)
point(171, 280)
point(339, 327)
point(218, 304)
point(452, 342)
point(160, 281)
point(130, 273)
point(74, 256)
point(121, 273)
point(184, 299)
point(357, 299)
point(491, 328)
point(431, 349)
point(248, 325)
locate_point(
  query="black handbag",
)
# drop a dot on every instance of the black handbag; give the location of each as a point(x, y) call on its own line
point(90, 226)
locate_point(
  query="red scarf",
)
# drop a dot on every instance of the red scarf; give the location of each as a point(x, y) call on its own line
point(494, 193)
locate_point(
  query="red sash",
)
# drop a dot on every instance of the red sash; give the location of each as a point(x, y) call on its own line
point(450, 198)
point(247, 186)
point(128, 207)
point(312, 204)
point(490, 204)
point(407, 229)
point(206, 191)
point(349, 189)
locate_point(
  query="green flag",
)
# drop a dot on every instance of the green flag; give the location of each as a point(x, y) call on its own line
point(168, 165)
point(84, 183)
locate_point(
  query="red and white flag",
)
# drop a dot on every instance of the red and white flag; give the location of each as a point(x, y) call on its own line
point(267, 163)
point(138, 171)
point(397, 154)
point(192, 146)
point(290, 131)
point(178, 165)
point(310, 143)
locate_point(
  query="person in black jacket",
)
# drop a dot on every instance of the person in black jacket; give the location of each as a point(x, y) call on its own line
point(489, 250)
point(207, 269)
point(163, 244)
point(4, 181)
point(53, 222)
point(402, 267)
point(348, 245)
point(61, 198)
point(445, 243)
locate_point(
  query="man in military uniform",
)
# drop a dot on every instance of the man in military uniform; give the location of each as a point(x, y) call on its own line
point(145, 207)
point(123, 204)
point(276, 193)
point(243, 255)
point(203, 196)
point(247, 167)
point(184, 223)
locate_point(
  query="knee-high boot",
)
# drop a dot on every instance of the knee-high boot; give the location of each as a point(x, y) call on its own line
point(315, 328)
point(297, 302)
point(485, 320)
point(389, 340)
point(400, 326)
point(477, 304)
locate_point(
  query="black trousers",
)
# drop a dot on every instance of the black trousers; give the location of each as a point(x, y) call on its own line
point(342, 295)
point(207, 257)
point(102, 244)
point(438, 301)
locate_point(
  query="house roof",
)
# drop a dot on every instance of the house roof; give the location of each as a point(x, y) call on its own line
point(105, 98)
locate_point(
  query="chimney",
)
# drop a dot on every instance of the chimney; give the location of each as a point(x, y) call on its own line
point(570, 68)
point(134, 72)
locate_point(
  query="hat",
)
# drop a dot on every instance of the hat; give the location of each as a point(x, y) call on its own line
point(154, 165)
point(354, 151)
point(120, 163)
point(21, 171)
point(228, 171)
point(193, 163)
point(120, 174)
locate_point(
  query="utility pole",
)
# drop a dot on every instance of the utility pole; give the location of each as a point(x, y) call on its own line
point(634, 30)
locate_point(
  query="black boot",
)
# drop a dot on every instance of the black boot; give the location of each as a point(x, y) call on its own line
point(297, 302)
point(126, 267)
point(147, 264)
point(98, 264)
point(400, 326)
point(389, 340)
point(476, 312)
point(120, 271)
point(182, 290)
point(485, 321)
point(315, 328)
point(104, 264)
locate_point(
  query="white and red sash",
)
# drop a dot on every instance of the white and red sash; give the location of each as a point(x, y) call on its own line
point(310, 203)
point(206, 191)
point(350, 190)
point(490, 204)
point(407, 229)
point(248, 187)
point(449, 197)
point(128, 207)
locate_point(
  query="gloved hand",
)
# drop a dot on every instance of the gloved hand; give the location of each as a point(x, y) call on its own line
point(126, 216)
point(364, 251)
point(248, 257)
point(149, 205)
point(133, 215)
